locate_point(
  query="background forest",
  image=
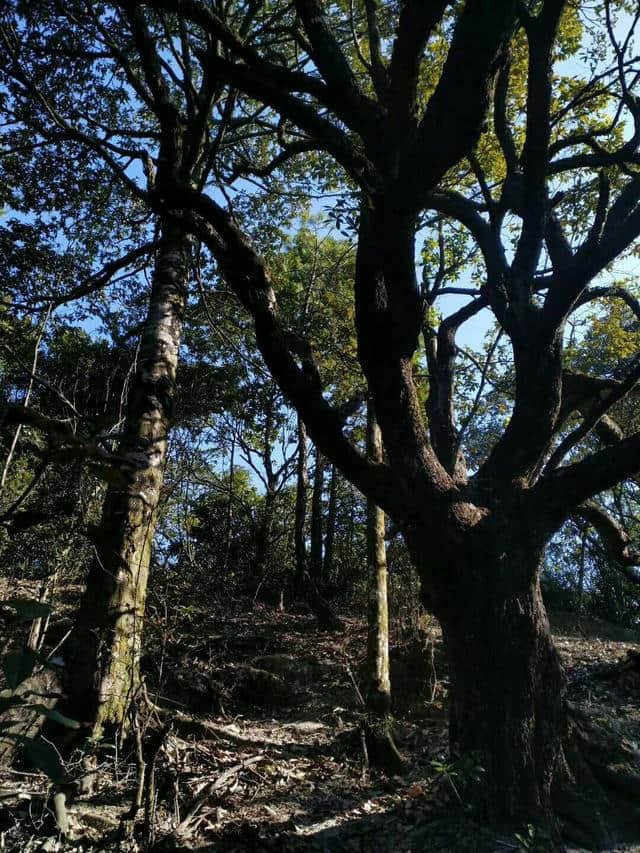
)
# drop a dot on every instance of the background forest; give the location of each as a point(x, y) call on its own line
point(319, 335)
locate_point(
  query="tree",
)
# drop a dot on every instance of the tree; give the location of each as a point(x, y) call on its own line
point(395, 102)
point(378, 729)
point(103, 653)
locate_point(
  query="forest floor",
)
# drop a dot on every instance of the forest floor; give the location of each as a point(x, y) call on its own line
point(252, 728)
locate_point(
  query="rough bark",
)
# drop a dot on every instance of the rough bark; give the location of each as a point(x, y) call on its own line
point(102, 654)
point(507, 691)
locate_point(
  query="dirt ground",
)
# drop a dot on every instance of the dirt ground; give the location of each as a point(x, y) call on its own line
point(251, 725)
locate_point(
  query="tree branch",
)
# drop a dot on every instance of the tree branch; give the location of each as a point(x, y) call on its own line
point(446, 135)
point(563, 489)
point(245, 271)
point(593, 416)
point(614, 537)
point(416, 23)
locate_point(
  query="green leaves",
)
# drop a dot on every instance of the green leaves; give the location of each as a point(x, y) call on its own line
point(7, 702)
point(43, 756)
point(27, 609)
point(18, 666)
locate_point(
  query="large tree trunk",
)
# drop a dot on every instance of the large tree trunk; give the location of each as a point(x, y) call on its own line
point(102, 667)
point(507, 690)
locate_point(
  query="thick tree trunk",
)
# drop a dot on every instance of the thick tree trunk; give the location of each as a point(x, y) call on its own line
point(507, 687)
point(315, 560)
point(302, 485)
point(330, 534)
point(102, 654)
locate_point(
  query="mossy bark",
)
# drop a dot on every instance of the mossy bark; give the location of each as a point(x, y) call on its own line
point(103, 651)
point(382, 751)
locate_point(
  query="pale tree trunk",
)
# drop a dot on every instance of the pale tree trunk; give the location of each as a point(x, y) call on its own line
point(302, 486)
point(330, 535)
point(379, 692)
point(39, 626)
point(229, 521)
point(27, 397)
point(382, 751)
point(103, 652)
point(315, 561)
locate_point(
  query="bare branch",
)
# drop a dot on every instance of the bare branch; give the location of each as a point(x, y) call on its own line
point(614, 537)
point(591, 419)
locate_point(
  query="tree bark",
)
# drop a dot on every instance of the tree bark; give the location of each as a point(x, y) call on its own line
point(263, 546)
point(382, 751)
point(507, 695)
point(103, 652)
point(330, 535)
point(302, 485)
point(379, 692)
point(315, 557)
point(229, 522)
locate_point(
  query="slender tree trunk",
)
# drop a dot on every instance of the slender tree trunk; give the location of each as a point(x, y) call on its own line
point(382, 750)
point(308, 580)
point(263, 543)
point(330, 535)
point(27, 397)
point(229, 521)
point(39, 626)
point(379, 692)
point(315, 561)
point(302, 486)
point(102, 666)
point(581, 568)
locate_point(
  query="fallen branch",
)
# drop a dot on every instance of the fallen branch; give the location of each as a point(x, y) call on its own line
point(196, 804)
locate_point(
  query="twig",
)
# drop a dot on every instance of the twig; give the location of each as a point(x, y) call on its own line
point(355, 686)
point(220, 782)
